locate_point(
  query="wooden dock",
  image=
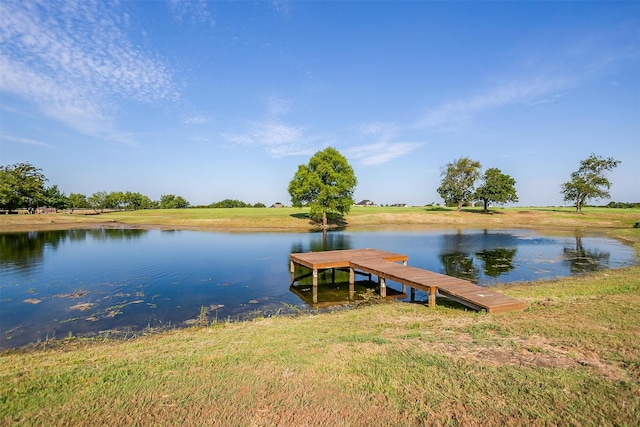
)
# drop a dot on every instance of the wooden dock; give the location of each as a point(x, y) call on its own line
point(392, 266)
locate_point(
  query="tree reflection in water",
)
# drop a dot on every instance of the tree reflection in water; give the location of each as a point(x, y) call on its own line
point(460, 265)
point(497, 261)
point(581, 260)
point(24, 251)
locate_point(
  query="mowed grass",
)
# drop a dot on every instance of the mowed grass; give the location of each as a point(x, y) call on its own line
point(571, 358)
point(294, 219)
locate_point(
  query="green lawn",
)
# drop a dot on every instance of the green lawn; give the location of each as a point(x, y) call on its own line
point(571, 358)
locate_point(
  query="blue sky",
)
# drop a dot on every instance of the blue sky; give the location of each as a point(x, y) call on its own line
point(215, 100)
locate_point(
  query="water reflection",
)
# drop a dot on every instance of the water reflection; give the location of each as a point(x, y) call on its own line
point(582, 260)
point(459, 265)
point(24, 251)
point(84, 281)
point(497, 261)
point(469, 256)
point(323, 241)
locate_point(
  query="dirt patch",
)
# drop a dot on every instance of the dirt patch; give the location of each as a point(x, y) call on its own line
point(534, 352)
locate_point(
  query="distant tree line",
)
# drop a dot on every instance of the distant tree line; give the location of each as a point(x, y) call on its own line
point(23, 186)
point(232, 203)
point(325, 185)
point(622, 205)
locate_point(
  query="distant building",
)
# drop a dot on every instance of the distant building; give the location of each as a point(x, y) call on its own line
point(277, 205)
point(400, 205)
point(365, 202)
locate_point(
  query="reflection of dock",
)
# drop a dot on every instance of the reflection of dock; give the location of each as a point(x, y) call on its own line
point(338, 294)
point(386, 266)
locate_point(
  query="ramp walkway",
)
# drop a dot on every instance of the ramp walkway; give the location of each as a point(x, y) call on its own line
point(392, 266)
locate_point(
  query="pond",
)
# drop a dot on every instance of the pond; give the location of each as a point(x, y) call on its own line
point(119, 281)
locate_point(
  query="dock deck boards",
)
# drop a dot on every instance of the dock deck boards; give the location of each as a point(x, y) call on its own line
point(386, 266)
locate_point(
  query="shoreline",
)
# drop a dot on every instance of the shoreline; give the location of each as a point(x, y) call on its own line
point(296, 220)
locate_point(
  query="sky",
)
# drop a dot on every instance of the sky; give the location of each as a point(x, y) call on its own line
point(213, 100)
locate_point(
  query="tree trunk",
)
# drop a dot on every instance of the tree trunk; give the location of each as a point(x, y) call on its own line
point(324, 220)
point(459, 206)
point(486, 203)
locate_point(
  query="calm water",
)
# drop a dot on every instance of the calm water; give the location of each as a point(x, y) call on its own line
point(116, 280)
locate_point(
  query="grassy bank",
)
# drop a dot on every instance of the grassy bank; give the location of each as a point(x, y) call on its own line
point(293, 219)
point(571, 358)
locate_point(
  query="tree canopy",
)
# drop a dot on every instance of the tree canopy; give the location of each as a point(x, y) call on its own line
point(21, 186)
point(496, 187)
point(326, 185)
point(458, 179)
point(171, 201)
point(589, 181)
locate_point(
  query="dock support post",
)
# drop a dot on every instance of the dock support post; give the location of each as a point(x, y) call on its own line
point(432, 296)
point(413, 294)
point(352, 288)
point(333, 275)
point(315, 286)
point(383, 287)
point(404, 287)
point(292, 268)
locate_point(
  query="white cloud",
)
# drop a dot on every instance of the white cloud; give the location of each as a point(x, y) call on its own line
point(277, 138)
point(75, 62)
point(196, 120)
point(277, 106)
point(26, 141)
point(457, 113)
point(381, 152)
point(194, 11)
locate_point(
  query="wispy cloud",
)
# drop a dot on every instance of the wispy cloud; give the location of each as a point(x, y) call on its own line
point(282, 7)
point(277, 138)
point(75, 62)
point(548, 75)
point(277, 106)
point(457, 113)
point(194, 11)
point(197, 119)
point(275, 135)
point(386, 146)
point(381, 152)
point(26, 141)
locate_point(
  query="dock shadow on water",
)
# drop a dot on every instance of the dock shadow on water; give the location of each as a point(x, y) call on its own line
point(121, 281)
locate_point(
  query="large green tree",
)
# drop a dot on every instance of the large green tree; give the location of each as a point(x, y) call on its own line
point(496, 187)
point(21, 186)
point(589, 181)
point(458, 180)
point(326, 185)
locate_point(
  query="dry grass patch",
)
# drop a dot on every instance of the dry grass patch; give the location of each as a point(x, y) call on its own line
point(282, 219)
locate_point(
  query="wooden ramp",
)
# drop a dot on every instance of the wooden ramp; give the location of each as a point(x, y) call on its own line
point(385, 265)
